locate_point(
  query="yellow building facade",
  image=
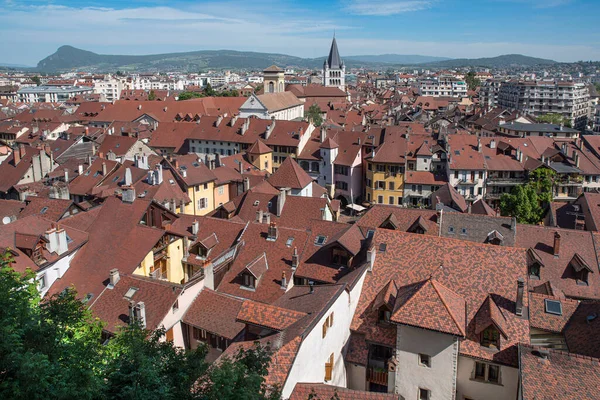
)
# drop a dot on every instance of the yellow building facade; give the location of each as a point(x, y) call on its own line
point(384, 183)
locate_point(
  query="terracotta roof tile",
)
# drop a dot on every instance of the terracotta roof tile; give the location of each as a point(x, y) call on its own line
point(216, 313)
point(268, 316)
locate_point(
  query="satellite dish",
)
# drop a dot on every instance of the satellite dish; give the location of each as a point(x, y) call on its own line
point(6, 220)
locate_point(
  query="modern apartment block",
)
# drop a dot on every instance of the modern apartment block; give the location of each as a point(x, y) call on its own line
point(443, 86)
point(488, 93)
point(570, 99)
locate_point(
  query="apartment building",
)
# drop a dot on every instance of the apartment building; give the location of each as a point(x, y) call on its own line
point(385, 172)
point(109, 87)
point(51, 94)
point(488, 93)
point(569, 99)
point(443, 86)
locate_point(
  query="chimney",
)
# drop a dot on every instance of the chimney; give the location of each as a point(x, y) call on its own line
point(269, 129)
point(283, 281)
point(17, 155)
point(479, 145)
point(128, 194)
point(272, 232)
point(268, 218)
point(195, 227)
point(311, 287)
point(80, 169)
point(280, 201)
point(141, 313)
point(245, 126)
point(556, 248)
point(469, 207)
point(62, 245)
point(323, 134)
point(128, 179)
point(174, 206)
point(234, 120)
point(577, 160)
point(52, 239)
point(371, 258)
point(186, 247)
point(295, 258)
point(103, 169)
point(358, 141)
point(218, 121)
point(114, 277)
point(520, 290)
point(66, 175)
point(259, 216)
point(492, 144)
point(513, 224)
point(150, 178)
point(246, 184)
point(158, 174)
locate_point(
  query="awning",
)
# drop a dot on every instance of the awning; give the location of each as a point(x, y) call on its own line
point(356, 207)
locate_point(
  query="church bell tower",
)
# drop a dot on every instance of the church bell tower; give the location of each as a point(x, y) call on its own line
point(334, 70)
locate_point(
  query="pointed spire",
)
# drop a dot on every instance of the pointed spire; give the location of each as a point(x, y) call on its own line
point(334, 61)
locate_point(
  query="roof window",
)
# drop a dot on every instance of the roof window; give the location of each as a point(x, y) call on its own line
point(320, 240)
point(43, 210)
point(553, 307)
point(131, 292)
point(289, 242)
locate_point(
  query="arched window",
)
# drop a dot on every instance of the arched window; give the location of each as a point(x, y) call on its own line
point(315, 166)
point(271, 87)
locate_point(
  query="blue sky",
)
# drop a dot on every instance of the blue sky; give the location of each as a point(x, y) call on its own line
point(563, 30)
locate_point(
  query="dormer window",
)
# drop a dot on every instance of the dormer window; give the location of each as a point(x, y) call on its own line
point(490, 337)
point(249, 281)
point(581, 270)
point(582, 277)
point(534, 271)
point(384, 314)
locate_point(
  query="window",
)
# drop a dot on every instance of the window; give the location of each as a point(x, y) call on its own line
point(380, 168)
point(327, 324)
point(582, 277)
point(42, 281)
point(455, 174)
point(384, 314)
point(534, 271)
point(392, 186)
point(493, 373)
point(553, 306)
point(380, 199)
point(329, 368)
point(205, 186)
point(424, 360)
point(221, 190)
point(424, 394)
point(199, 334)
point(450, 229)
point(320, 240)
point(249, 281)
point(176, 305)
point(463, 231)
point(370, 167)
point(381, 185)
point(480, 370)
point(202, 203)
point(490, 337)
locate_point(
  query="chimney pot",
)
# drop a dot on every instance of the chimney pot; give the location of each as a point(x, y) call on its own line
point(114, 276)
point(195, 227)
point(295, 258)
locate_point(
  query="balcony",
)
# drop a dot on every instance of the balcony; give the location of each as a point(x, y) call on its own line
point(498, 181)
point(468, 181)
point(378, 376)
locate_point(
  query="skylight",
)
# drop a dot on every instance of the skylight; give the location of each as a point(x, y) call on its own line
point(132, 291)
point(289, 242)
point(370, 234)
point(553, 307)
point(195, 164)
point(256, 203)
point(320, 240)
point(382, 247)
point(43, 210)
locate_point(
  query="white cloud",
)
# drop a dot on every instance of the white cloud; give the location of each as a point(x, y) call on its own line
point(385, 8)
point(31, 33)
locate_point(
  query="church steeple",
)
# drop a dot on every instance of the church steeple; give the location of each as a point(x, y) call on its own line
point(334, 61)
point(334, 70)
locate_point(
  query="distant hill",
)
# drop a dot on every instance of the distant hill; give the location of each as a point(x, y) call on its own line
point(397, 59)
point(507, 60)
point(68, 58)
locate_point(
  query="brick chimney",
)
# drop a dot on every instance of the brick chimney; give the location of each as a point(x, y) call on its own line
point(520, 290)
point(283, 281)
point(273, 232)
point(556, 248)
point(295, 258)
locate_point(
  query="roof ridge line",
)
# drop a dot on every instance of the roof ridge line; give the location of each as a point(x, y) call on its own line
point(433, 283)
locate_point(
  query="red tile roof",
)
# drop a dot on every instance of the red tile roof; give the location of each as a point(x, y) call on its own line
point(268, 316)
point(560, 376)
point(303, 391)
point(540, 319)
point(216, 313)
point(290, 175)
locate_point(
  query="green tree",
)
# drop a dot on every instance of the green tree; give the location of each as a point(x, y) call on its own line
point(151, 95)
point(50, 349)
point(314, 115)
point(208, 90)
point(472, 81)
point(240, 377)
point(189, 95)
point(527, 203)
point(554, 118)
point(36, 79)
point(140, 366)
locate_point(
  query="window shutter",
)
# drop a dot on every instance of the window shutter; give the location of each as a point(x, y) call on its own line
point(331, 319)
point(324, 329)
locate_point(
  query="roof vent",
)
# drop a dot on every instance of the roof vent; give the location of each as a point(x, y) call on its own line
point(591, 317)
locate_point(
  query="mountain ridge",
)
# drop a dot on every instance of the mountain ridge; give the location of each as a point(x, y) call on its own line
point(68, 58)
